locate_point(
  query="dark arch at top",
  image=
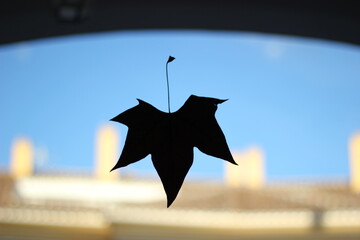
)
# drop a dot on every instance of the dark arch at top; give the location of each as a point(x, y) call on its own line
point(331, 20)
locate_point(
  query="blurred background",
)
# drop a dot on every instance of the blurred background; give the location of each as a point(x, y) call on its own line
point(292, 120)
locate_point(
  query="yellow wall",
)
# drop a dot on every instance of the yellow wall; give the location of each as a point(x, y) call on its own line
point(354, 152)
point(249, 173)
point(107, 144)
point(22, 158)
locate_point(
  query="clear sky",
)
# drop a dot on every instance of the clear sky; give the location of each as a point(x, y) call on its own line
point(298, 99)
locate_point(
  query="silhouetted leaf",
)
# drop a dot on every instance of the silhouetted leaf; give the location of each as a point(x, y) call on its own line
point(171, 137)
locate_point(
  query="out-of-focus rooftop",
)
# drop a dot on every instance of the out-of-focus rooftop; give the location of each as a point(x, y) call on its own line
point(50, 205)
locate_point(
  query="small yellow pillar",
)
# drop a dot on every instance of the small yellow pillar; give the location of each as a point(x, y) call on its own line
point(22, 158)
point(354, 152)
point(250, 170)
point(107, 141)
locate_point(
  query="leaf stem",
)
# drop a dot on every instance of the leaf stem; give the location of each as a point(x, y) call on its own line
point(168, 87)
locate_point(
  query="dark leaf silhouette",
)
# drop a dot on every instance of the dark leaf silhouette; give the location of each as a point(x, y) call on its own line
point(171, 137)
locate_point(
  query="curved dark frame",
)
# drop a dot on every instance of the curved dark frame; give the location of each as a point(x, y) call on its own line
point(22, 20)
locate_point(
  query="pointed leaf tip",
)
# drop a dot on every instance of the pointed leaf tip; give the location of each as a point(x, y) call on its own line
point(169, 202)
point(171, 58)
point(114, 168)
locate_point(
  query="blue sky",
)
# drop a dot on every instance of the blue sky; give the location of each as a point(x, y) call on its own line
point(298, 99)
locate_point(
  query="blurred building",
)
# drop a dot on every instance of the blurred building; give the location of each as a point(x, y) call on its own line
point(60, 206)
